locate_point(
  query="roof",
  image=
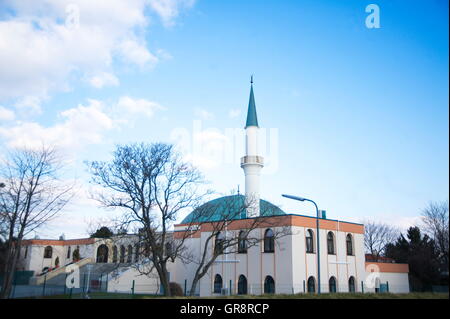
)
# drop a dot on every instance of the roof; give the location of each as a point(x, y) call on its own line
point(230, 208)
point(252, 118)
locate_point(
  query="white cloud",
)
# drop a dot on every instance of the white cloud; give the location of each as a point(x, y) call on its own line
point(137, 53)
point(138, 106)
point(81, 125)
point(44, 43)
point(78, 126)
point(233, 113)
point(168, 10)
point(6, 115)
point(103, 79)
point(203, 114)
point(29, 105)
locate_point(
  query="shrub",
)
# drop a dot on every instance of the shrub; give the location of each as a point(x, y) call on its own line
point(175, 289)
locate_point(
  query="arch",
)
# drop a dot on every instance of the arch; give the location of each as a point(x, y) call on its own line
point(311, 284)
point(242, 242)
point(269, 241)
point(349, 244)
point(332, 284)
point(242, 285)
point(114, 258)
point(217, 284)
point(102, 254)
point(129, 254)
point(330, 243)
point(269, 285)
point(48, 252)
point(309, 241)
point(351, 284)
point(122, 254)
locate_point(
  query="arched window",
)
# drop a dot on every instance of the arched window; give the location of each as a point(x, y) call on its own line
point(129, 254)
point(269, 285)
point(114, 260)
point(48, 252)
point(349, 242)
point(242, 285)
point(102, 254)
point(311, 285)
point(122, 254)
point(218, 248)
point(351, 284)
point(136, 253)
point(330, 243)
point(217, 284)
point(269, 241)
point(332, 284)
point(69, 251)
point(242, 243)
point(309, 241)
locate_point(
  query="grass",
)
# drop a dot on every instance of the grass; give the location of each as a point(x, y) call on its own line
point(414, 295)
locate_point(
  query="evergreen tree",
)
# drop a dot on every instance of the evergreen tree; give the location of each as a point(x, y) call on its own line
point(420, 253)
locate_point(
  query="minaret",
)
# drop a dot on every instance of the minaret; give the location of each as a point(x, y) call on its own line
point(252, 162)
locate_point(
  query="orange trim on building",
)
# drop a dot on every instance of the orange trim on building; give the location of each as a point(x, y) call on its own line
point(50, 242)
point(286, 220)
point(389, 267)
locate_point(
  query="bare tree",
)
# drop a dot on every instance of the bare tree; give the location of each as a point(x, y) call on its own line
point(32, 195)
point(228, 231)
point(151, 184)
point(435, 224)
point(377, 236)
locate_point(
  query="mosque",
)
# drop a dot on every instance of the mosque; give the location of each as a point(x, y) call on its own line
point(316, 254)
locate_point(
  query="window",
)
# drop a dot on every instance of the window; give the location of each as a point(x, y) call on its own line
point(169, 249)
point(69, 251)
point(242, 243)
point(218, 248)
point(349, 242)
point(114, 254)
point(332, 284)
point(269, 285)
point(217, 284)
point(136, 253)
point(311, 285)
point(330, 243)
point(242, 285)
point(309, 241)
point(129, 254)
point(269, 241)
point(122, 254)
point(351, 284)
point(48, 252)
point(26, 252)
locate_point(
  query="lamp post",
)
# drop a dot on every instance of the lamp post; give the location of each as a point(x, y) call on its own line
point(302, 199)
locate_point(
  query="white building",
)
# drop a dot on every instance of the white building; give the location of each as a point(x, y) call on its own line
point(289, 264)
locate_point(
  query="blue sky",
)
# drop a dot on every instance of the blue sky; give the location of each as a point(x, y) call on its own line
point(359, 116)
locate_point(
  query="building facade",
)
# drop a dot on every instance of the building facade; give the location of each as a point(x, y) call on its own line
point(298, 262)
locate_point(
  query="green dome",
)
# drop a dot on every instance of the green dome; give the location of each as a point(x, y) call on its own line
point(228, 207)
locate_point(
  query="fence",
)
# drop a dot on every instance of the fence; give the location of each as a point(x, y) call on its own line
point(102, 284)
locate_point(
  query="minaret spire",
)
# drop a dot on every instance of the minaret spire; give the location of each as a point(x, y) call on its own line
point(252, 118)
point(252, 162)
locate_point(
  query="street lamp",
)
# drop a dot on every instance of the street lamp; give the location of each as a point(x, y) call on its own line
point(302, 199)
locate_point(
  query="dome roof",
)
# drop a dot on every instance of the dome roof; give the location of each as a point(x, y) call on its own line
point(232, 207)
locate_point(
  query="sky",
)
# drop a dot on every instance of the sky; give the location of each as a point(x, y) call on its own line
point(353, 117)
